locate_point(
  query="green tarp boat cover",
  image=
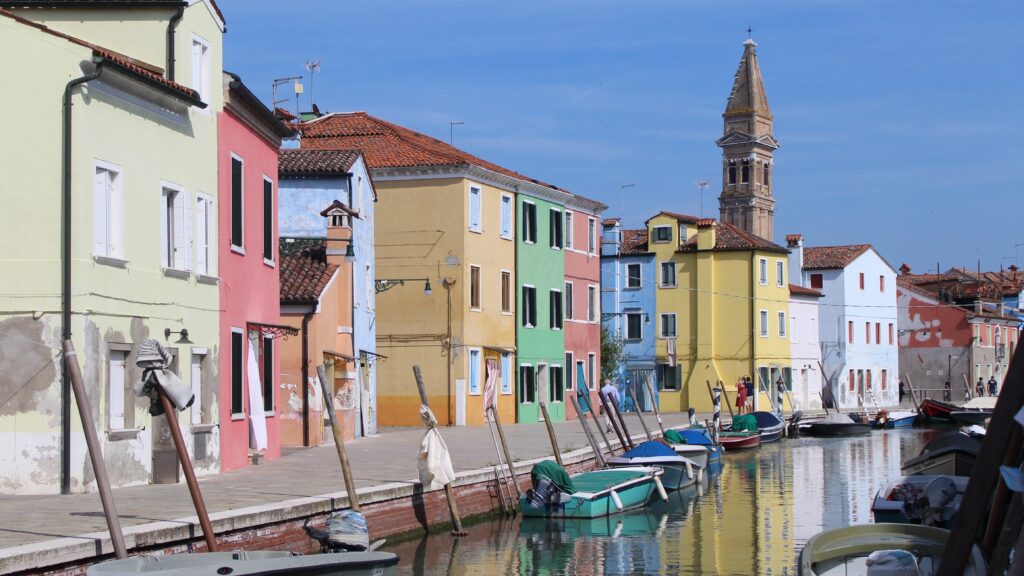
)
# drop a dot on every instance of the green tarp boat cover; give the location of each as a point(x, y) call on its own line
point(744, 423)
point(600, 480)
point(674, 437)
point(556, 474)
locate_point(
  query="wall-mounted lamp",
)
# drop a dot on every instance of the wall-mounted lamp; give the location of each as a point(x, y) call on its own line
point(609, 315)
point(183, 332)
point(383, 285)
point(903, 331)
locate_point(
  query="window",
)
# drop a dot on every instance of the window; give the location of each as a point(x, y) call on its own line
point(592, 303)
point(529, 306)
point(506, 292)
point(812, 337)
point(878, 332)
point(591, 362)
point(506, 373)
point(780, 273)
point(885, 378)
point(204, 235)
point(849, 336)
point(745, 172)
point(861, 276)
point(268, 220)
point(867, 332)
point(662, 234)
point(591, 235)
point(568, 231)
point(782, 324)
point(793, 329)
point(569, 364)
point(474, 371)
point(506, 217)
point(237, 202)
point(201, 72)
point(474, 287)
point(762, 267)
point(555, 300)
point(816, 281)
point(767, 175)
point(668, 325)
point(890, 333)
point(568, 303)
point(634, 326)
point(669, 377)
point(988, 335)
point(529, 222)
point(108, 212)
point(268, 374)
point(732, 174)
point(197, 361)
point(555, 378)
point(474, 209)
point(118, 361)
point(555, 228)
point(527, 385)
point(881, 283)
point(668, 274)
point(632, 275)
point(764, 323)
point(176, 229)
point(867, 382)
point(581, 375)
point(237, 354)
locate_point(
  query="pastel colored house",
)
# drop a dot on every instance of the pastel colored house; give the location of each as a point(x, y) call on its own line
point(722, 302)
point(804, 347)
point(628, 303)
point(142, 143)
point(857, 327)
point(247, 260)
point(582, 293)
point(311, 180)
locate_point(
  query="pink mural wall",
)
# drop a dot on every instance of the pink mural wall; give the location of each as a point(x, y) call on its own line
point(583, 329)
point(249, 283)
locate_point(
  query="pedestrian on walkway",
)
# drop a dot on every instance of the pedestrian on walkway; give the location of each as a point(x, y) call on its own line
point(980, 387)
point(992, 385)
point(741, 396)
point(903, 391)
point(750, 394)
point(613, 398)
point(947, 392)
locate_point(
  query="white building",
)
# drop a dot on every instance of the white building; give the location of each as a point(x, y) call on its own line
point(857, 326)
point(804, 347)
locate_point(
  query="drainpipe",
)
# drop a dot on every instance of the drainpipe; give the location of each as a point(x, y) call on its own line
point(305, 378)
point(754, 330)
point(171, 25)
point(65, 306)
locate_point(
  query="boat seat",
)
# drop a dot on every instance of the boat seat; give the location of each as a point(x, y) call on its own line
point(892, 563)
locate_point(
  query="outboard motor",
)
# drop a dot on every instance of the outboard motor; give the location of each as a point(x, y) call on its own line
point(544, 493)
point(346, 531)
point(693, 417)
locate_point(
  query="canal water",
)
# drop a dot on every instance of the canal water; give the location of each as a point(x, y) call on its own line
point(751, 517)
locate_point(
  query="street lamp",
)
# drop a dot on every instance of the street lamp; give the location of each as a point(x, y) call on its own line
point(385, 284)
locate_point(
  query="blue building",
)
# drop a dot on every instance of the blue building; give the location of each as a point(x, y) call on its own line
point(627, 305)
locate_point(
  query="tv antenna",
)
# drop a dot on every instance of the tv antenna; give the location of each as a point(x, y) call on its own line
point(702, 185)
point(451, 132)
point(314, 68)
point(622, 193)
point(281, 82)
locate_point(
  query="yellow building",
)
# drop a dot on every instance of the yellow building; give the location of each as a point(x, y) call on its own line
point(722, 309)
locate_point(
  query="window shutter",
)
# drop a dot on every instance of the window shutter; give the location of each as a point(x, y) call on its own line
point(268, 220)
point(115, 218)
point(202, 241)
point(187, 245)
point(197, 66)
point(180, 238)
point(533, 223)
point(164, 232)
point(99, 212)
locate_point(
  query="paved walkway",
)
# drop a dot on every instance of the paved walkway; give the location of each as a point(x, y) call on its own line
point(386, 458)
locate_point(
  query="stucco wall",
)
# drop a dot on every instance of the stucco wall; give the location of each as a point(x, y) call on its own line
point(583, 270)
point(806, 353)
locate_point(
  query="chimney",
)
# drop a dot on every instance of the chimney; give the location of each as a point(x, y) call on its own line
point(795, 243)
point(707, 234)
point(611, 236)
point(905, 269)
point(339, 233)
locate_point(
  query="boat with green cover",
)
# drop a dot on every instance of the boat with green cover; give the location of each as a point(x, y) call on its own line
point(880, 549)
point(588, 494)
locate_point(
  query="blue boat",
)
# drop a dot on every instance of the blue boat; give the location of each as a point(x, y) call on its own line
point(679, 472)
point(901, 419)
point(699, 437)
point(769, 426)
point(589, 494)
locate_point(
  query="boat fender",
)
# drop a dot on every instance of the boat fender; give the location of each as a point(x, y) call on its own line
point(689, 470)
point(660, 487)
point(616, 500)
point(700, 476)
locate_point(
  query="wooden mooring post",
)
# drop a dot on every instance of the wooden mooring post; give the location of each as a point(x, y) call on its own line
point(606, 404)
point(453, 507)
point(339, 439)
point(508, 454)
point(654, 403)
point(551, 433)
point(582, 417)
point(639, 413)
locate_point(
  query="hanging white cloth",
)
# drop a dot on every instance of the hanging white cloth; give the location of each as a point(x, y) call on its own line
point(257, 417)
point(435, 464)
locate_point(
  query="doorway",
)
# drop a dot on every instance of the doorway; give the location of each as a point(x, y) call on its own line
point(166, 466)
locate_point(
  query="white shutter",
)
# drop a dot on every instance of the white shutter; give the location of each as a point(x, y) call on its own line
point(99, 212)
point(164, 232)
point(187, 244)
point(180, 241)
point(115, 216)
point(115, 395)
point(197, 66)
point(211, 236)
point(202, 230)
point(474, 208)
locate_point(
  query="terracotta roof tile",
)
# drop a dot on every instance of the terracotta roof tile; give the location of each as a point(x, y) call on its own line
point(304, 161)
point(304, 271)
point(832, 257)
point(729, 237)
point(634, 242)
point(796, 290)
point(684, 218)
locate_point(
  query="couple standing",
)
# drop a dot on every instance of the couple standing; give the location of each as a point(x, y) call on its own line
point(744, 394)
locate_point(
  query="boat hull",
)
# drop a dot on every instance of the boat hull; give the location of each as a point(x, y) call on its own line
point(968, 417)
point(730, 443)
point(937, 410)
point(945, 462)
point(829, 429)
point(905, 422)
point(675, 474)
point(891, 506)
point(628, 495)
point(242, 563)
point(699, 455)
point(772, 434)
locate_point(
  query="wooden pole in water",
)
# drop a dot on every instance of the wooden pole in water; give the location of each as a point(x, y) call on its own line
point(913, 394)
point(582, 416)
point(640, 414)
point(967, 387)
point(339, 439)
point(504, 448)
point(654, 402)
point(606, 404)
point(597, 422)
point(190, 474)
point(1000, 502)
point(985, 472)
point(551, 433)
point(499, 471)
point(448, 492)
point(622, 422)
point(92, 441)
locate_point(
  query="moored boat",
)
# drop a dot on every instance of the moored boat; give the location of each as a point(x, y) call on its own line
point(694, 437)
point(769, 426)
point(678, 471)
point(937, 410)
point(243, 563)
point(838, 425)
point(739, 440)
point(588, 494)
point(977, 411)
point(950, 454)
point(888, 548)
point(896, 419)
point(922, 499)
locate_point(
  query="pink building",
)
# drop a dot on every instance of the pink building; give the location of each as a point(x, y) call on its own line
point(248, 138)
point(582, 294)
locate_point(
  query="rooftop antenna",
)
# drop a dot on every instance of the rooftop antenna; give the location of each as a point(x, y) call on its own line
point(622, 192)
point(314, 67)
point(702, 185)
point(451, 132)
point(281, 82)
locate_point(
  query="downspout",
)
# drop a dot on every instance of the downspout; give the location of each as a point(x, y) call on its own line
point(754, 319)
point(171, 25)
point(305, 377)
point(65, 304)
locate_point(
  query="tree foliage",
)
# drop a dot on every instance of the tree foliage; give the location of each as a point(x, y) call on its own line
point(611, 354)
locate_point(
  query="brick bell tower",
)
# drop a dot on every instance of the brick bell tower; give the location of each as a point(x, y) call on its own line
point(747, 147)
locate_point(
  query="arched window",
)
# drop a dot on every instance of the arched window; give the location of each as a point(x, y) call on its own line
point(732, 174)
point(745, 172)
point(767, 175)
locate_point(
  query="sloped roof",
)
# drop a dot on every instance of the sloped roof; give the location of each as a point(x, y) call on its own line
point(797, 290)
point(106, 4)
point(748, 95)
point(832, 257)
point(683, 218)
point(634, 242)
point(305, 161)
point(729, 237)
point(305, 273)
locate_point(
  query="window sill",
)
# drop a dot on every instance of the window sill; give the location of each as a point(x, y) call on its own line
point(123, 434)
point(110, 261)
point(476, 230)
point(238, 250)
point(509, 313)
point(668, 285)
point(632, 287)
point(204, 279)
point(269, 414)
point(505, 237)
point(175, 273)
point(269, 263)
point(203, 428)
point(530, 242)
point(237, 417)
point(476, 310)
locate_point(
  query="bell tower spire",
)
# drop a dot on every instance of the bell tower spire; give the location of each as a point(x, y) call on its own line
point(748, 146)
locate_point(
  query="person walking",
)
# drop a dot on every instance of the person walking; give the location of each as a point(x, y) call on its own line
point(741, 396)
point(947, 393)
point(903, 391)
point(613, 398)
point(980, 387)
point(750, 394)
point(992, 385)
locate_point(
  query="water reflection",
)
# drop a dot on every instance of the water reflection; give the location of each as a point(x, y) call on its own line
point(751, 517)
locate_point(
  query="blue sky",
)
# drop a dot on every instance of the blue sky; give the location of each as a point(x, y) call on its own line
point(899, 120)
